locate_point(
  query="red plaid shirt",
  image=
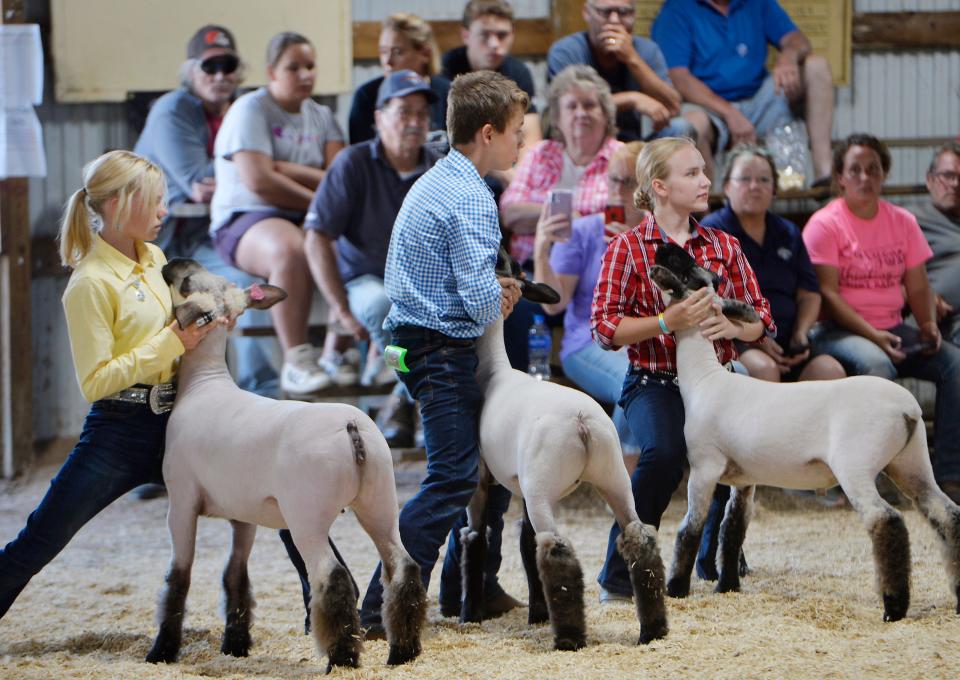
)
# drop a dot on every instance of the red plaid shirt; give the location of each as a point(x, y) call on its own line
point(539, 172)
point(625, 289)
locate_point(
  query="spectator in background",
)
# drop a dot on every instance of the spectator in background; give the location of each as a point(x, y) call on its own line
point(634, 68)
point(869, 256)
point(487, 36)
point(406, 42)
point(716, 51)
point(939, 219)
point(567, 255)
point(179, 136)
point(271, 154)
point(351, 218)
point(776, 253)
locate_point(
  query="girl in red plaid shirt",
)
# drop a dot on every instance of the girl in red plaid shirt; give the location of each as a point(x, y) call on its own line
point(629, 310)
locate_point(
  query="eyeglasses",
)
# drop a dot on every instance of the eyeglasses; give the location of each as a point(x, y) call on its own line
point(764, 181)
point(948, 176)
point(222, 63)
point(624, 12)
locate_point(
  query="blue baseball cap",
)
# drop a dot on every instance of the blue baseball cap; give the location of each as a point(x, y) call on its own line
point(401, 84)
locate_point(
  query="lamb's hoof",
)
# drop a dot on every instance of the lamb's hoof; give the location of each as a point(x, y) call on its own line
point(236, 641)
point(653, 631)
point(678, 587)
point(895, 606)
point(727, 585)
point(569, 639)
point(163, 651)
point(306, 624)
point(403, 654)
point(347, 656)
point(538, 613)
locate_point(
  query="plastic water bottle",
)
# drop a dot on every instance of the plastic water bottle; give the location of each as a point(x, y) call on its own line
point(539, 344)
point(790, 146)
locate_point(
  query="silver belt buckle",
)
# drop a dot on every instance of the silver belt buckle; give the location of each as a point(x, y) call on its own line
point(160, 398)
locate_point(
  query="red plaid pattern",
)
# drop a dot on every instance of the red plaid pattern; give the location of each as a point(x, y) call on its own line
point(625, 289)
point(538, 173)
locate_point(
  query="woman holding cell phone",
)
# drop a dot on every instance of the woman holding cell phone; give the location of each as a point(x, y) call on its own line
point(566, 255)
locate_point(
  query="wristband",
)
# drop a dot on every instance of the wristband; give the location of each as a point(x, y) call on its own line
point(663, 324)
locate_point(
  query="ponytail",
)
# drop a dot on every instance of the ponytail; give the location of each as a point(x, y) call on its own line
point(76, 234)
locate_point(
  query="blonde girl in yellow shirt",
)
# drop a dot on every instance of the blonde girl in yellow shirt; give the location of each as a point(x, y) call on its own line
point(125, 351)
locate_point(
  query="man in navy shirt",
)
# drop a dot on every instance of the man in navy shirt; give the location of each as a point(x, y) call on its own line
point(487, 36)
point(633, 66)
point(716, 51)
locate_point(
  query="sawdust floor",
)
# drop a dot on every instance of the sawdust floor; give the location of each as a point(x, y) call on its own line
point(807, 610)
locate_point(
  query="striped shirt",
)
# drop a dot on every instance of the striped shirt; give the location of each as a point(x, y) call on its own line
point(443, 250)
point(624, 289)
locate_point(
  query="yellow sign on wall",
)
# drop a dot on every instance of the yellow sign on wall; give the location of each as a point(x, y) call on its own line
point(827, 24)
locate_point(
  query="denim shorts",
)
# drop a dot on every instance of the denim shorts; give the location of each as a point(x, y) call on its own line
point(227, 238)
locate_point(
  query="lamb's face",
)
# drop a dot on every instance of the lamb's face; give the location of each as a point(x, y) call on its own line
point(684, 267)
point(199, 296)
point(540, 293)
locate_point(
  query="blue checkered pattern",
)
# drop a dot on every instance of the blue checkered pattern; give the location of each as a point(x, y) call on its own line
point(443, 250)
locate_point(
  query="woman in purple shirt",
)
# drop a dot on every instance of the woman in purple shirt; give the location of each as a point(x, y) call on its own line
point(567, 256)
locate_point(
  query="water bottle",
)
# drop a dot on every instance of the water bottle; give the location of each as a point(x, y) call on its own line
point(539, 344)
point(790, 146)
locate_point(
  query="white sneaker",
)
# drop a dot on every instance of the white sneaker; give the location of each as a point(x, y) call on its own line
point(376, 372)
point(342, 371)
point(301, 374)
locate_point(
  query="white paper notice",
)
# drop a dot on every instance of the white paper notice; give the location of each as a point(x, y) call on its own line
point(21, 65)
point(21, 144)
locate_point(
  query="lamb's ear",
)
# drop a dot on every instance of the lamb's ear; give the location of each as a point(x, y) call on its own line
point(264, 296)
point(738, 310)
point(537, 292)
point(189, 312)
point(668, 282)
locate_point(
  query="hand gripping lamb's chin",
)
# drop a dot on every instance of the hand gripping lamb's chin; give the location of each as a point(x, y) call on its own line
point(199, 296)
point(677, 274)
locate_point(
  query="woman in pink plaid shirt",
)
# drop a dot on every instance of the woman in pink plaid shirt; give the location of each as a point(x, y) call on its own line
point(629, 310)
point(583, 139)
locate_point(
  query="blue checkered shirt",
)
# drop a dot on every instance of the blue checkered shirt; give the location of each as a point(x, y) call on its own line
point(443, 250)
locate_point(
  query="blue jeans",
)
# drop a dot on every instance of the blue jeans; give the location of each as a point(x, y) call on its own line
point(860, 356)
point(369, 303)
point(655, 412)
point(442, 378)
point(254, 370)
point(121, 447)
point(600, 374)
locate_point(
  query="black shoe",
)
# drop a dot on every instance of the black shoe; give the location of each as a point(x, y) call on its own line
point(395, 421)
point(496, 606)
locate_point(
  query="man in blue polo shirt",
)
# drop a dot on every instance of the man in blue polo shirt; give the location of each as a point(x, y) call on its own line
point(716, 52)
point(633, 66)
point(351, 217)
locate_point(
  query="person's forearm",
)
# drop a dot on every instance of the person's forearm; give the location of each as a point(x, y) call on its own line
point(636, 329)
point(808, 310)
point(543, 272)
point(796, 45)
point(280, 191)
point(323, 265)
point(922, 303)
point(304, 175)
point(750, 332)
point(651, 84)
point(693, 90)
point(520, 218)
point(845, 316)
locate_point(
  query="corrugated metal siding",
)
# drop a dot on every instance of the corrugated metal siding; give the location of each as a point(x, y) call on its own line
point(894, 95)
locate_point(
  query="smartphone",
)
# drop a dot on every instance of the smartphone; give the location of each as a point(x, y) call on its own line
point(561, 203)
point(613, 213)
point(911, 342)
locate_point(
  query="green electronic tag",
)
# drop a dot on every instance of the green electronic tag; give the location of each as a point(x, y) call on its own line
point(393, 357)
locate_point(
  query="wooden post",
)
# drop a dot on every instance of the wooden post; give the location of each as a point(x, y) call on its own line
point(16, 363)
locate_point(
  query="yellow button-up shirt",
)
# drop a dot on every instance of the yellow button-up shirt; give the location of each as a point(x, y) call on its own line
point(117, 314)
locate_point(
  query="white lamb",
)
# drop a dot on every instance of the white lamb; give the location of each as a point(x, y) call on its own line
point(811, 435)
point(280, 464)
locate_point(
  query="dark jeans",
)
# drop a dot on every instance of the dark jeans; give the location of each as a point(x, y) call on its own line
point(121, 447)
point(442, 379)
point(655, 413)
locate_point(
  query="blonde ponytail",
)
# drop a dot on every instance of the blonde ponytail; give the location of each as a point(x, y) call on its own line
point(115, 174)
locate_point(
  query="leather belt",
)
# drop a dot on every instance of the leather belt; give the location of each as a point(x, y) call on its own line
point(158, 397)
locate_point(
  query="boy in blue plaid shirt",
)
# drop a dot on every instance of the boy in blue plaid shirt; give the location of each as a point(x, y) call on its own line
point(440, 279)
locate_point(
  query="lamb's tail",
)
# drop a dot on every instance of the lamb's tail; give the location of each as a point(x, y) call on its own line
point(582, 430)
point(356, 441)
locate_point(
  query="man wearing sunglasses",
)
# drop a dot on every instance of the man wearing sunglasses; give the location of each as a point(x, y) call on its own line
point(633, 66)
point(939, 218)
point(178, 136)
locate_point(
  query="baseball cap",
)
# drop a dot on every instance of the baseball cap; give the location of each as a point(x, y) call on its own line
point(402, 83)
point(210, 37)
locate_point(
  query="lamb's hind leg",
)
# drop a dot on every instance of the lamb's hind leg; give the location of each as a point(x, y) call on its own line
point(182, 523)
point(238, 600)
point(537, 611)
point(912, 473)
point(473, 539)
point(891, 542)
point(700, 488)
point(733, 529)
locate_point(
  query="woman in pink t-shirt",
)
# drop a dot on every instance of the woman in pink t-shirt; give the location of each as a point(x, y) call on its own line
point(867, 253)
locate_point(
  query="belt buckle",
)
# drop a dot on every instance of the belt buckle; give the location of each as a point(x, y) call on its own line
point(160, 398)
